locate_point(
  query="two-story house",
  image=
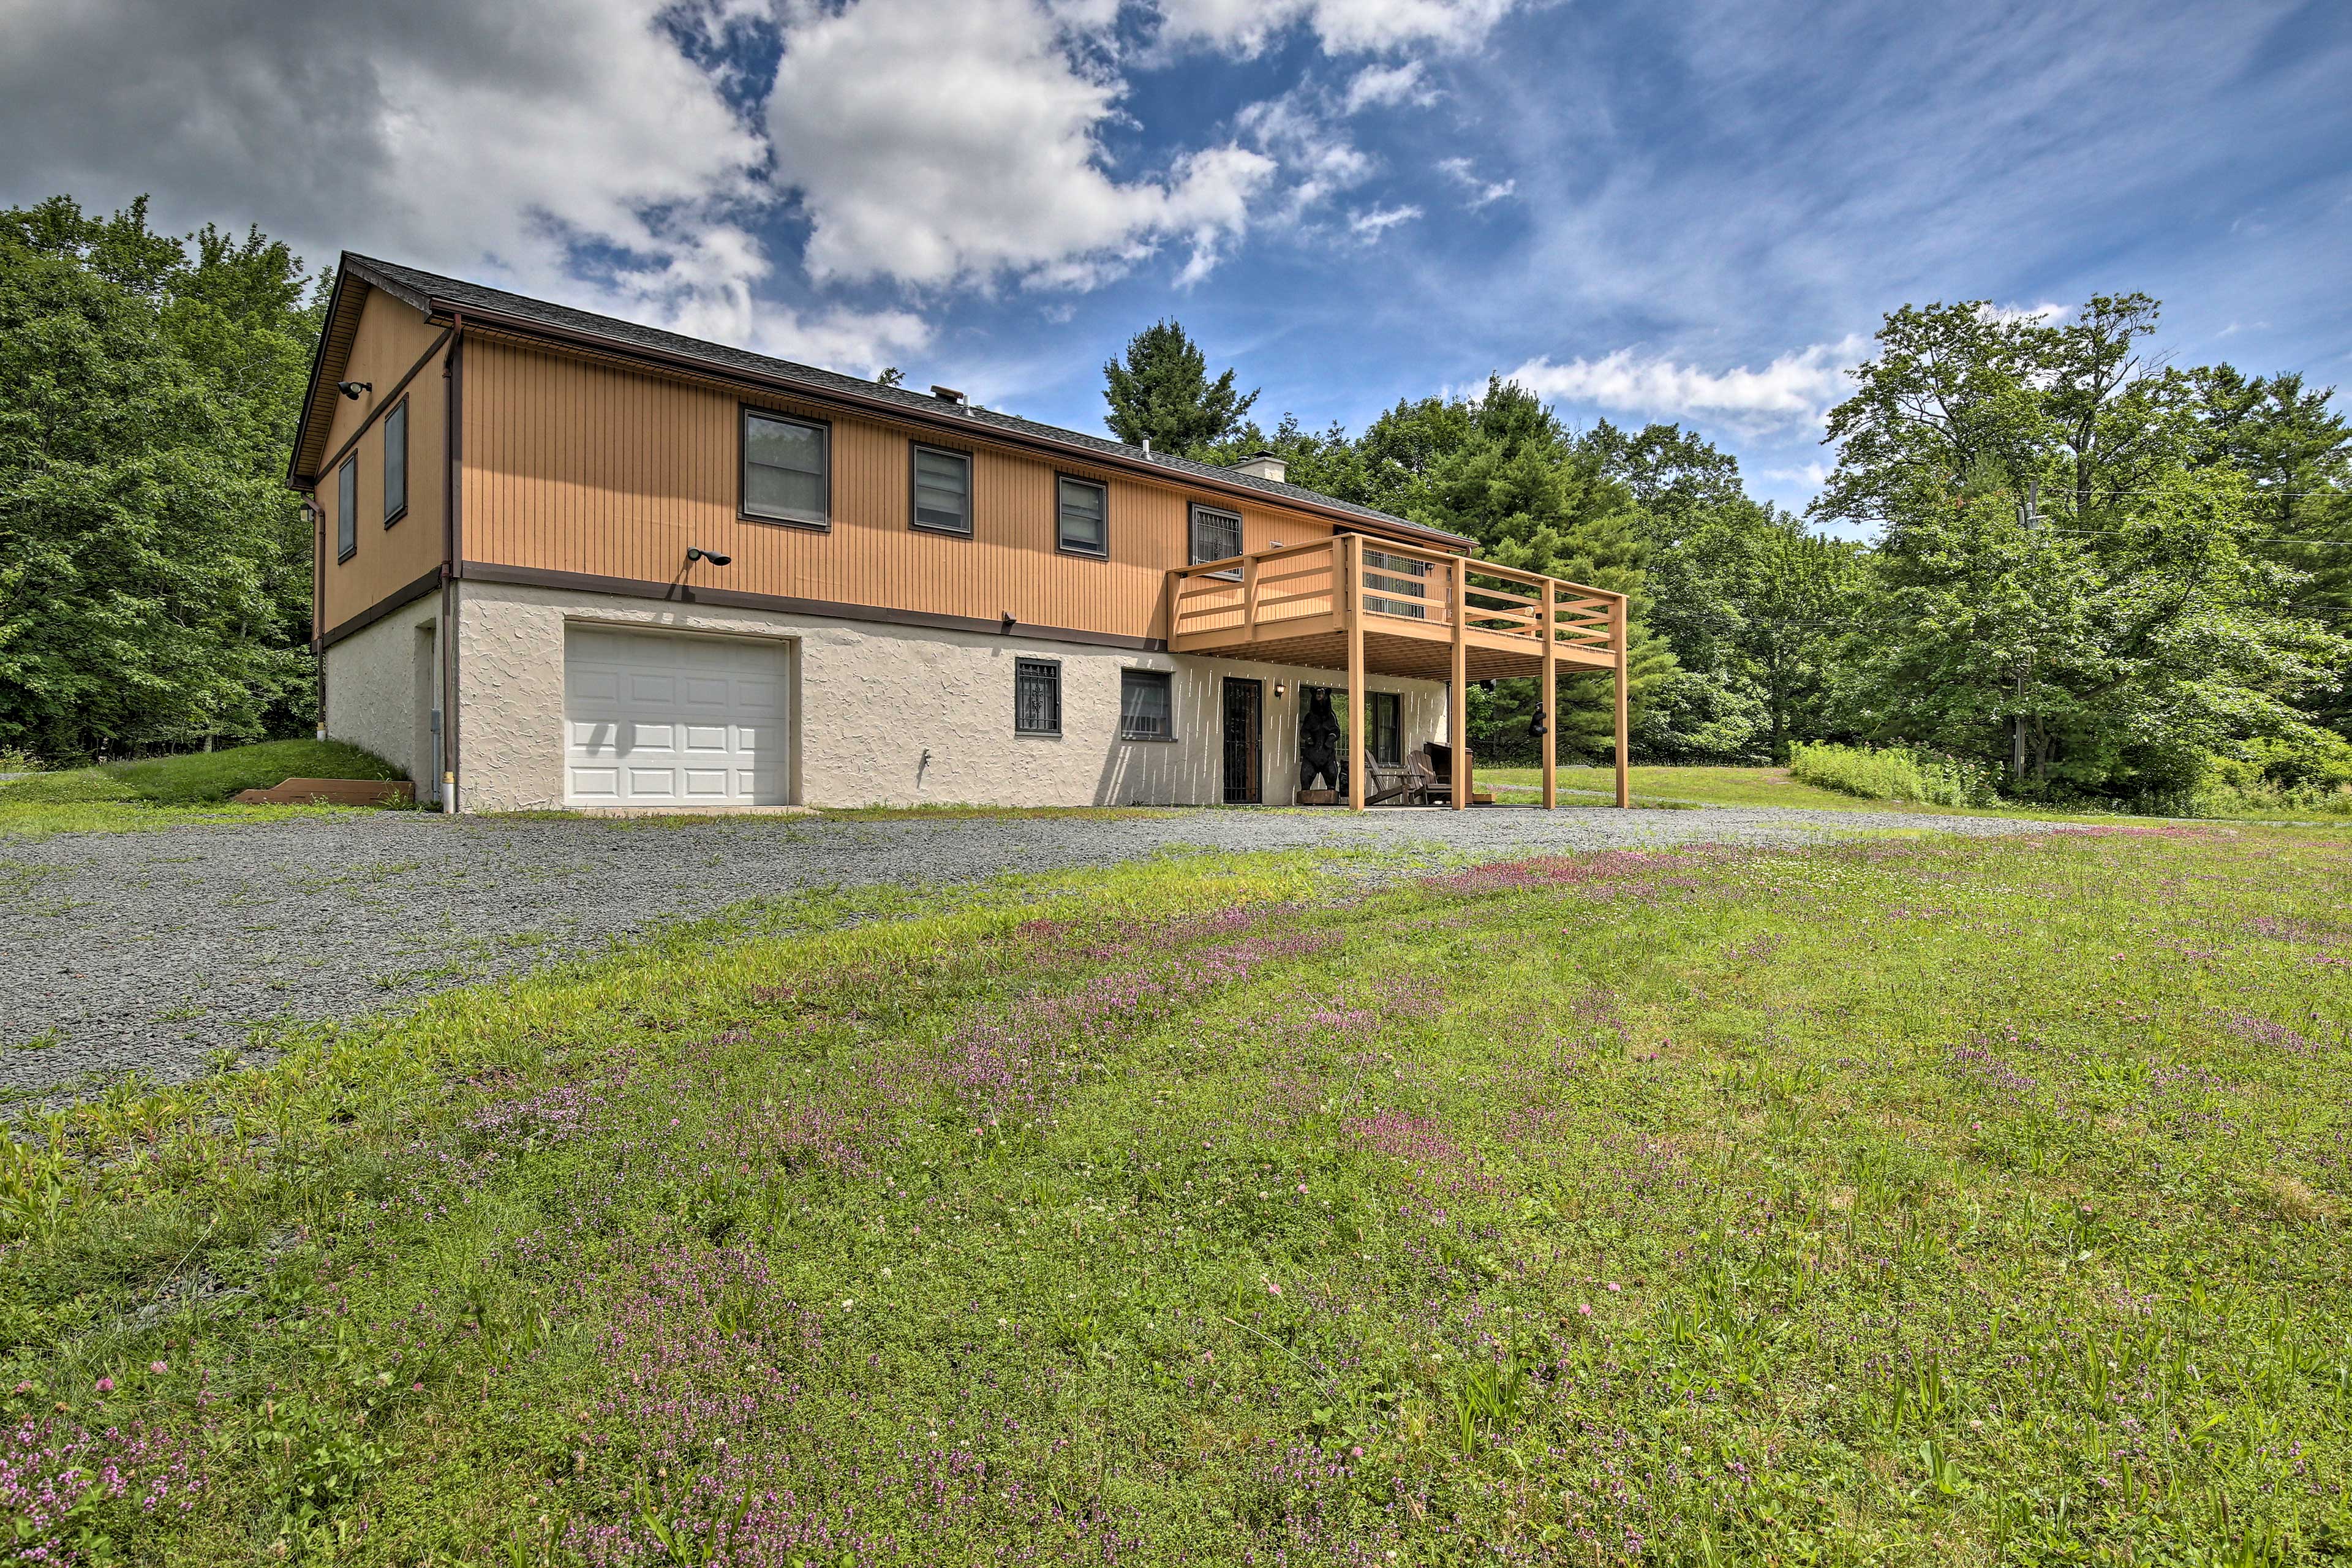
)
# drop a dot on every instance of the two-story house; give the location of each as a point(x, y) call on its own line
point(564, 560)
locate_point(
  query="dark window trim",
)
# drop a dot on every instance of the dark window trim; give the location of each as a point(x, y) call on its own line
point(346, 524)
point(407, 469)
point(970, 529)
point(1102, 485)
point(1055, 665)
point(1372, 701)
point(1191, 536)
point(1167, 678)
point(743, 411)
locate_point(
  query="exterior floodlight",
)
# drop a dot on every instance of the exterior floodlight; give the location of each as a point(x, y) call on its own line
point(695, 552)
point(352, 389)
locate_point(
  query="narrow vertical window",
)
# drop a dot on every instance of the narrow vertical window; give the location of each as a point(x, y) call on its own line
point(1036, 697)
point(1386, 711)
point(1145, 708)
point(347, 508)
point(942, 490)
point(787, 473)
point(395, 462)
point(1216, 535)
point(1083, 527)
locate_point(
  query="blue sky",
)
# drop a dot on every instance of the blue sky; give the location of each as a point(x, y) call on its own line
point(1695, 213)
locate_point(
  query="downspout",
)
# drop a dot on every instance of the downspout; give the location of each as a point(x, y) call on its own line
point(452, 369)
point(318, 605)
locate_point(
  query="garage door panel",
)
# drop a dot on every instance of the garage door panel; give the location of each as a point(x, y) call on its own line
point(673, 720)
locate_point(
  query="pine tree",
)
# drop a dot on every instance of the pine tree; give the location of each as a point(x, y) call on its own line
point(1162, 395)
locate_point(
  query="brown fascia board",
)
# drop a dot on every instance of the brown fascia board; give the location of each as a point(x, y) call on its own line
point(475, 315)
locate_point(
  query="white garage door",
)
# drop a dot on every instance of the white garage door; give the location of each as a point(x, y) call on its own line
point(651, 719)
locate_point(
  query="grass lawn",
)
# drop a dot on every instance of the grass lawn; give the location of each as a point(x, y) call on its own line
point(172, 792)
point(1908, 1201)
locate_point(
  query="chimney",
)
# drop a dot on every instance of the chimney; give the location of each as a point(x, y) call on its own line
point(1262, 466)
point(948, 394)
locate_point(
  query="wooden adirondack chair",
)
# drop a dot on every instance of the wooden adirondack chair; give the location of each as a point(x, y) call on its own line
point(1384, 785)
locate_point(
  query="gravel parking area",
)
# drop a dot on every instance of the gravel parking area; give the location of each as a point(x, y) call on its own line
point(151, 950)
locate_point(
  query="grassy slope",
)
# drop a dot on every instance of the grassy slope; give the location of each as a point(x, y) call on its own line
point(164, 792)
point(1907, 1202)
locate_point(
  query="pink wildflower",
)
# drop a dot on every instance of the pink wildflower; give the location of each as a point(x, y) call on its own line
point(159, 1367)
point(106, 1385)
point(1584, 1309)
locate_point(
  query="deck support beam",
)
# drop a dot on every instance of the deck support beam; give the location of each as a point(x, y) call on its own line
point(1352, 599)
point(1547, 700)
point(1457, 701)
point(1619, 625)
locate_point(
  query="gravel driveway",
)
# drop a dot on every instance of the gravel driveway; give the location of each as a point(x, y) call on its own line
point(150, 950)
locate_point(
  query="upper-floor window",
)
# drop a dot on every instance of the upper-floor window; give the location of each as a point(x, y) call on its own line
point(1146, 705)
point(1036, 697)
point(1396, 584)
point(943, 490)
point(347, 508)
point(395, 462)
point(787, 469)
point(1082, 526)
point(1216, 535)
point(1384, 716)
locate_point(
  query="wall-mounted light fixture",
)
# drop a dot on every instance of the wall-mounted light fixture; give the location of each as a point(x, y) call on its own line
point(1277, 691)
point(1009, 623)
point(352, 389)
point(695, 552)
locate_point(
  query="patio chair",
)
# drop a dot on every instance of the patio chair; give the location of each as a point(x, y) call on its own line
point(1427, 786)
point(1384, 785)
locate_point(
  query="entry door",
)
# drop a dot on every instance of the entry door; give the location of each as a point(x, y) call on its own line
point(1244, 706)
point(654, 720)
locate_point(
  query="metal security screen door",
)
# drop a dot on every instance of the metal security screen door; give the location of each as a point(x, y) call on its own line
point(1244, 702)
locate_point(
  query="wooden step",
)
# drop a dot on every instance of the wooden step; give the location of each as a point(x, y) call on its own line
point(331, 791)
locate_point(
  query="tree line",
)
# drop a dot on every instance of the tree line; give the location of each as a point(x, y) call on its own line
point(2106, 576)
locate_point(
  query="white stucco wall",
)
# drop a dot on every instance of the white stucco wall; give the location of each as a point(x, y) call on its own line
point(374, 699)
point(870, 701)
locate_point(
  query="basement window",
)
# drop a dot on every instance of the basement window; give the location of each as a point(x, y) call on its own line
point(1146, 705)
point(347, 509)
point(1036, 697)
point(787, 469)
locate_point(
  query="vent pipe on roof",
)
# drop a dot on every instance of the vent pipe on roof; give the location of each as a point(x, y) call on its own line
point(948, 394)
point(1263, 466)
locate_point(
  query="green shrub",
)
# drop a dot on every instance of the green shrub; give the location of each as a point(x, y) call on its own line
point(1893, 773)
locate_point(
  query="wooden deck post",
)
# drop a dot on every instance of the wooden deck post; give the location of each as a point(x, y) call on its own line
point(1619, 628)
point(1352, 589)
point(1548, 701)
point(1457, 701)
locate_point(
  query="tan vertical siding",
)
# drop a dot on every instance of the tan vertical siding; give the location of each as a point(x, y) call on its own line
point(578, 466)
point(390, 337)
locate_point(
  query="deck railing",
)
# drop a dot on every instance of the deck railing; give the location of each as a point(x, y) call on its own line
point(1403, 585)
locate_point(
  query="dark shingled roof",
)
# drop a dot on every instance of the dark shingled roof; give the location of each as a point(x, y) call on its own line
point(424, 291)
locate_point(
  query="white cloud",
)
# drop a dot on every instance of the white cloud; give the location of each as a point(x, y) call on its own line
point(2043, 314)
point(1797, 388)
point(504, 142)
point(1374, 222)
point(1377, 87)
point(940, 142)
point(1482, 190)
point(1315, 158)
point(1245, 27)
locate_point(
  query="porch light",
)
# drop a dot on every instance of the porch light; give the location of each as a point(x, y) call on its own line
point(352, 389)
point(1277, 688)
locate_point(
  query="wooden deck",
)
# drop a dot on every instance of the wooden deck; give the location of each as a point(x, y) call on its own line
point(1369, 607)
